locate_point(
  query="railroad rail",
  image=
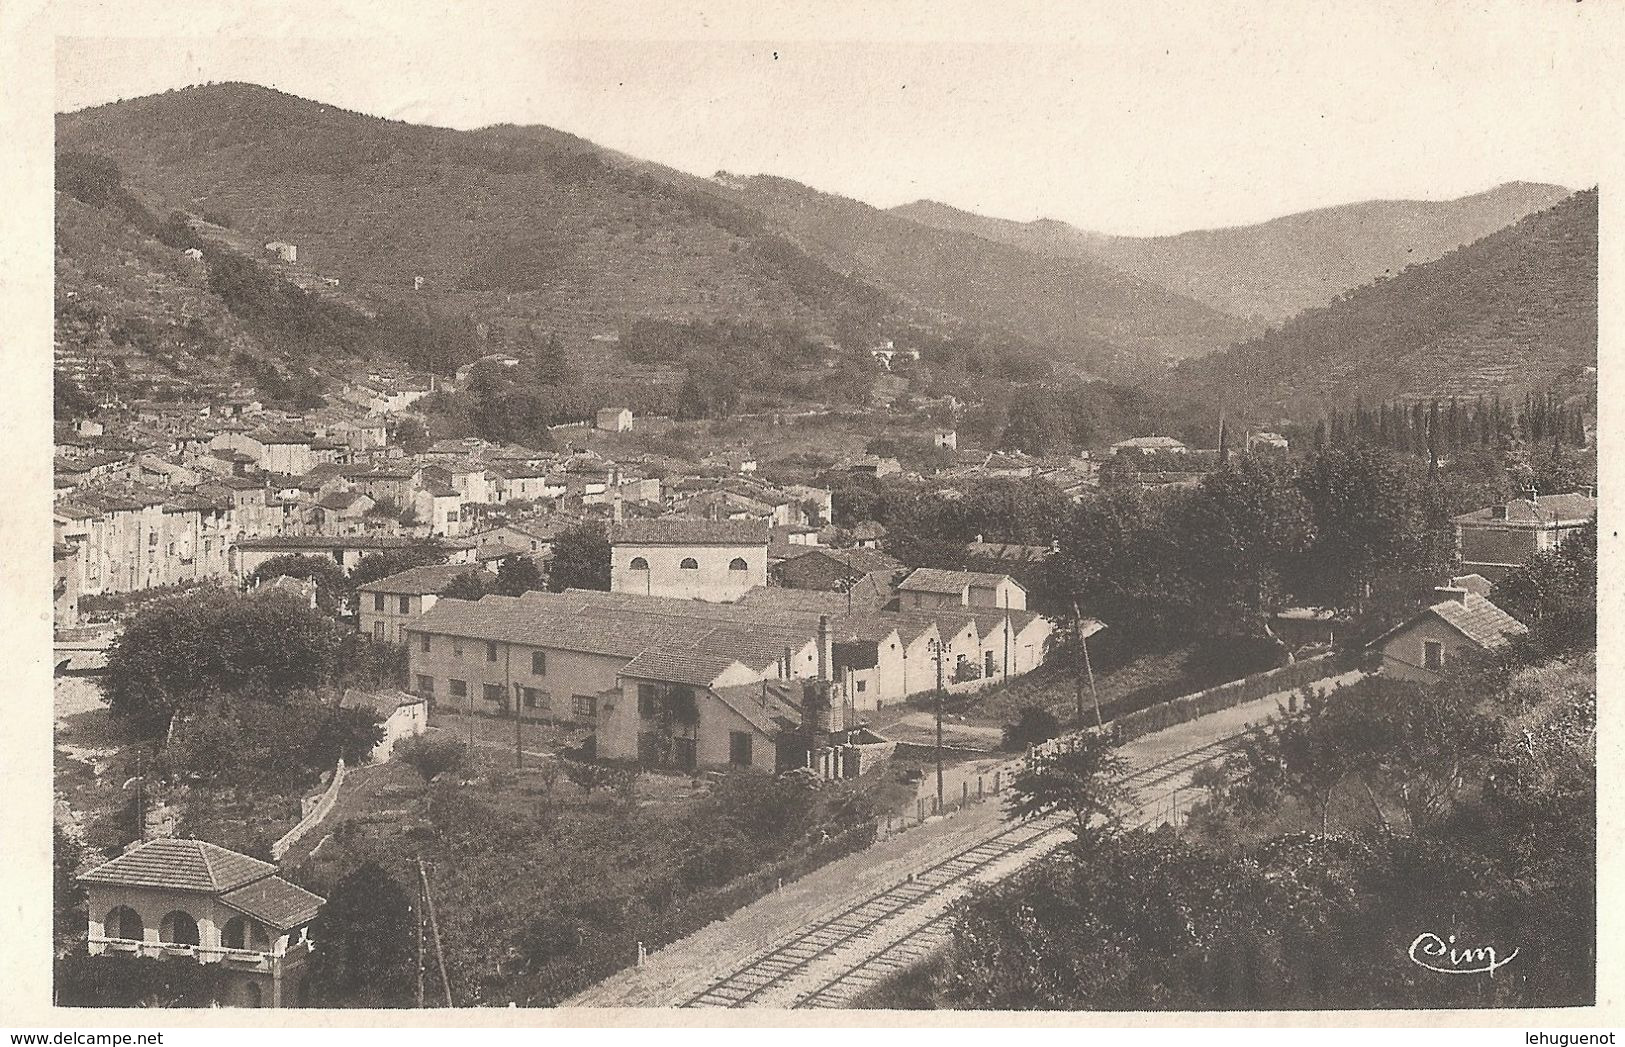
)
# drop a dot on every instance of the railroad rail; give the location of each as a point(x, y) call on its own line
point(912, 914)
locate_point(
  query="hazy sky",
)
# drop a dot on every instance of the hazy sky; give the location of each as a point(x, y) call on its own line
point(1122, 117)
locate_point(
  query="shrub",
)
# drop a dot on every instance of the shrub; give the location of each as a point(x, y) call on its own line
point(1035, 724)
point(431, 755)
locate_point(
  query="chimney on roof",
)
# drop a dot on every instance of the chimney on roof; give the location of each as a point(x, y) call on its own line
point(1450, 592)
point(1530, 493)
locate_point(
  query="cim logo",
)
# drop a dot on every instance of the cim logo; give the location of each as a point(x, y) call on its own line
point(1443, 956)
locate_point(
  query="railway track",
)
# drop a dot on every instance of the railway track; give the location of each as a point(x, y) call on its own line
point(898, 926)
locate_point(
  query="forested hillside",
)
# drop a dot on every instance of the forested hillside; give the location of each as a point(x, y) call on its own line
point(520, 226)
point(1104, 320)
point(1273, 269)
point(1507, 314)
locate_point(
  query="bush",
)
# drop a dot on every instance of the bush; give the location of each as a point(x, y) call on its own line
point(1035, 724)
point(431, 755)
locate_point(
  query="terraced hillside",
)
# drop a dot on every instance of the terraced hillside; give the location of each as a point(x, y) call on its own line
point(521, 225)
point(1507, 313)
point(1273, 269)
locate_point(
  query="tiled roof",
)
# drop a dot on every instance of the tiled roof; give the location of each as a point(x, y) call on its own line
point(275, 902)
point(381, 702)
point(675, 665)
point(418, 581)
point(1543, 511)
point(181, 865)
point(769, 708)
point(321, 541)
point(937, 580)
point(674, 530)
point(1479, 620)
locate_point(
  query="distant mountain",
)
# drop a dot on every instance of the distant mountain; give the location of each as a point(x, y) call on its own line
point(1275, 269)
point(1513, 311)
point(1108, 321)
point(519, 226)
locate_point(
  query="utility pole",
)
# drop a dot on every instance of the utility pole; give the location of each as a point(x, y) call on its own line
point(423, 901)
point(942, 649)
point(434, 928)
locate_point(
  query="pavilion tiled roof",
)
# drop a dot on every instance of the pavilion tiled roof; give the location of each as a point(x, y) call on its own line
point(1545, 510)
point(181, 865)
point(275, 902)
point(1479, 620)
point(675, 530)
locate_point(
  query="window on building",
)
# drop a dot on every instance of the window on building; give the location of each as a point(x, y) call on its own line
point(425, 643)
point(178, 928)
point(638, 564)
point(538, 663)
point(338, 558)
point(458, 688)
point(689, 564)
point(1432, 654)
point(490, 651)
point(124, 922)
point(241, 932)
point(863, 685)
point(494, 692)
point(378, 601)
point(377, 630)
point(535, 698)
point(739, 743)
point(585, 706)
point(738, 564)
point(648, 700)
point(406, 605)
point(987, 663)
point(425, 684)
point(456, 648)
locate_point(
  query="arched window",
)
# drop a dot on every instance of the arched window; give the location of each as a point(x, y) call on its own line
point(240, 932)
point(738, 564)
point(178, 928)
point(124, 922)
point(638, 564)
point(689, 564)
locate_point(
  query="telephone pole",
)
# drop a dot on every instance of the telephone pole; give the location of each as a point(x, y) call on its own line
point(942, 649)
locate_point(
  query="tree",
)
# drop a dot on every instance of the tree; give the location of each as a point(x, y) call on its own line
point(432, 754)
point(69, 918)
point(1082, 780)
point(1035, 724)
point(518, 575)
point(175, 653)
point(374, 566)
point(331, 586)
point(1555, 593)
point(580, 559)
point(470, 585)
point(1241, 530)
point(366, 939)
point(411, 435)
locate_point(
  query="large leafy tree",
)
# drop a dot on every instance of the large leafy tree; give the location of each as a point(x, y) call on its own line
point(1242, 530)
point(176, 653)
point(580, 559)
point(1082, 781)
point(331, 586)
point(366, 943)
point(1555, 594)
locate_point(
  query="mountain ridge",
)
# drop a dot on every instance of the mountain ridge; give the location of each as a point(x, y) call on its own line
point(1273, 269)
point(521, 226)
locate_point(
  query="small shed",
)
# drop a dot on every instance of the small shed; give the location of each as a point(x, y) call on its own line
point(403, 716)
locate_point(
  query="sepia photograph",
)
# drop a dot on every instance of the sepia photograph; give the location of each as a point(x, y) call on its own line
point(565, 513)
